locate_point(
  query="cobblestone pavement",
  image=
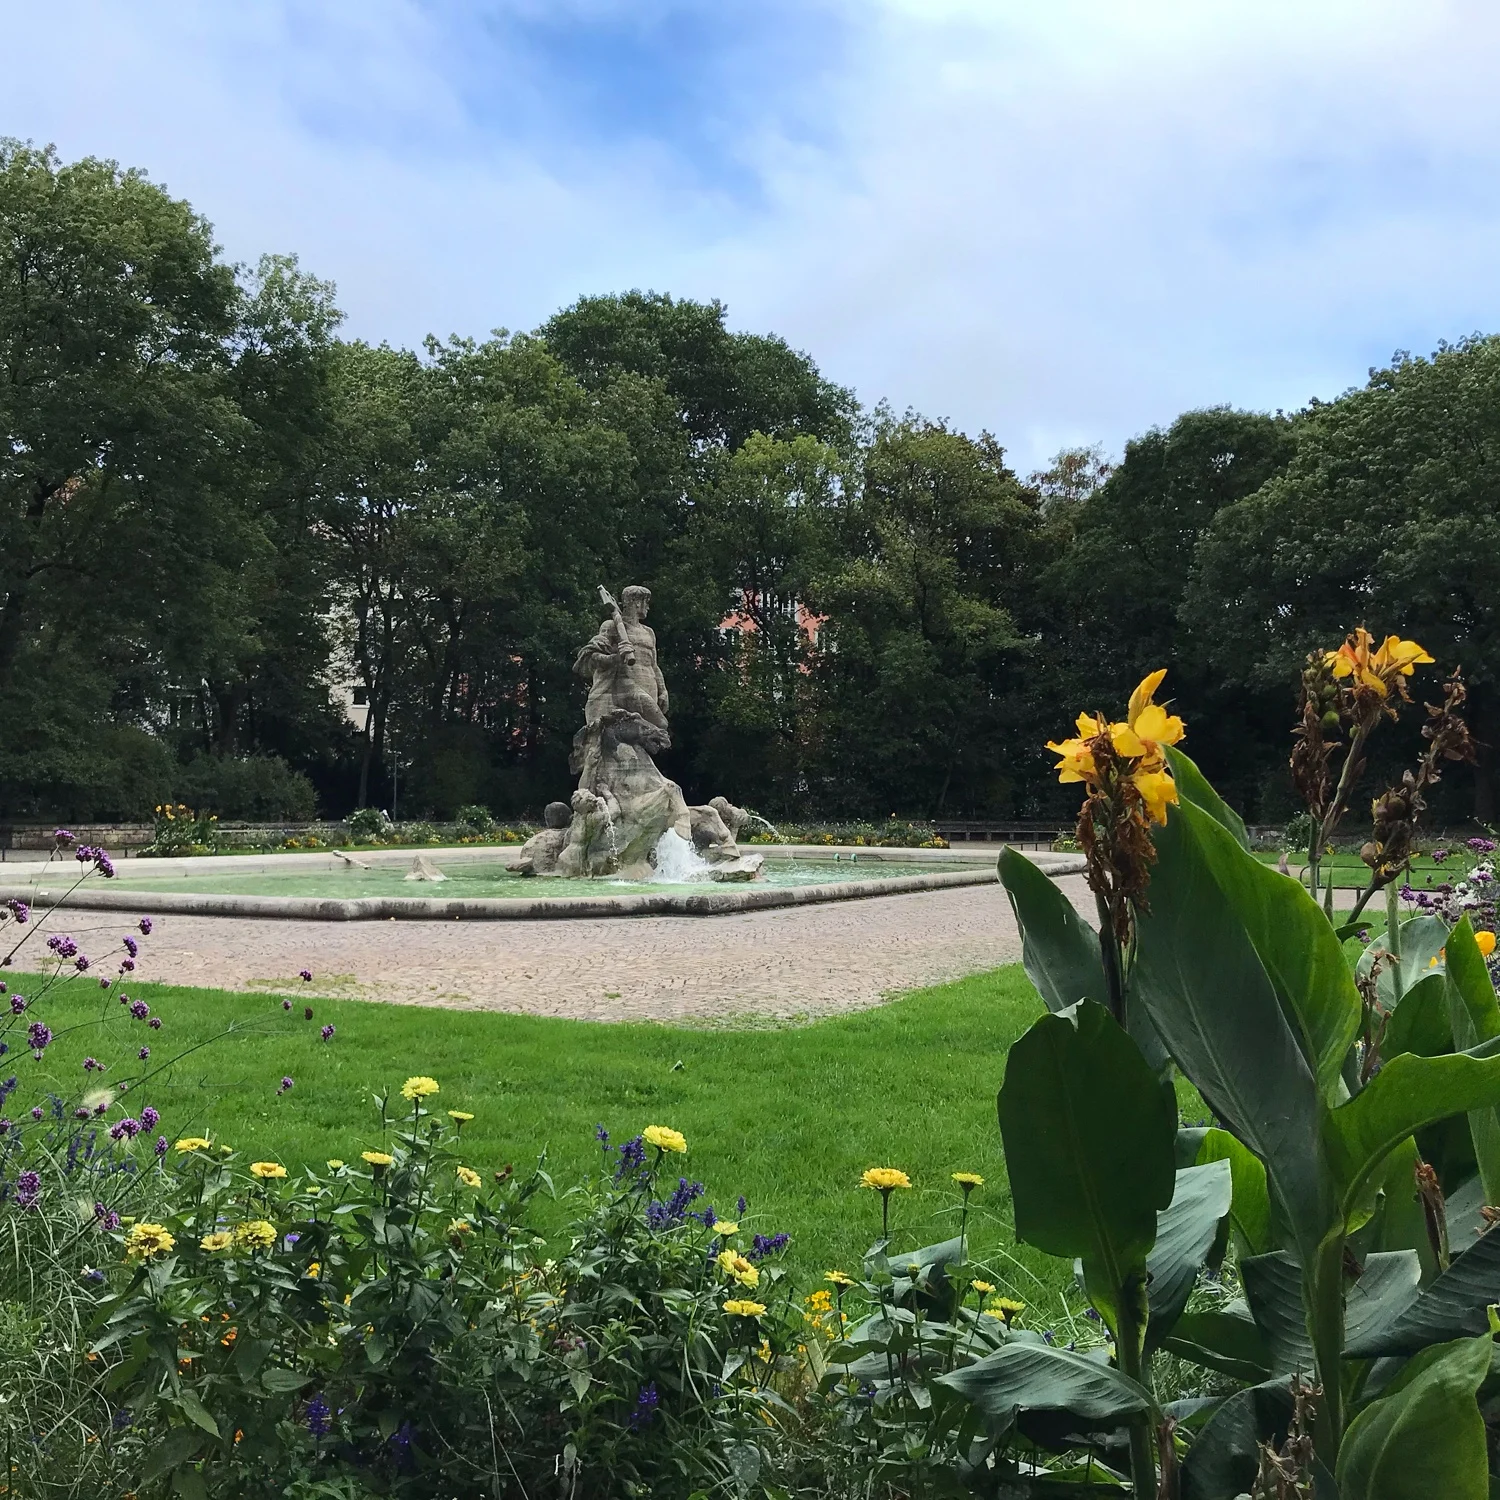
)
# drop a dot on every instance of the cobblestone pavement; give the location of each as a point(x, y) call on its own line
point(752, 967)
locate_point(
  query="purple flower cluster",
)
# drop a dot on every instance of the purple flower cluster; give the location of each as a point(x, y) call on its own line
point(1482, 846)
point(768, 1244)
point(150, 1118)
point(38, 1038)
point(88, 854)
point(18, 909)
point(327, 1033)
point(28, 1189)
point(90, 1063)
point(662, 1215)
point(145, 925)
point(161, 1145)
point(286, 1085)
point(305, 975)
point(644, 1411)
point(139, 1009)
point(62, 945)
point(144, 1054)
point(62, 837)
point(17, 1004)
point(318, 1414)
point(81, 962)
point(132, 947)
point(632, 1158)
point(108, 1219)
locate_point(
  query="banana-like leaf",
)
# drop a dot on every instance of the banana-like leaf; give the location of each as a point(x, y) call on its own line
point(1406, 1094)
point(1296, 947)
point(1022, 1376)
point(1088, 1134)
point(1273, 1288)
point(1225, 1457)
point(1250, 1203)
point(1059, 950)
point(1185, 1233)
point(1454, 1304)
point(1420, 1021)
point(1388, 1284)
point(1425, 1437)
point(1474, 1017)
point(1198, 975)
point(1397, 1220)
point(1193, 786)
point(1229, 1341)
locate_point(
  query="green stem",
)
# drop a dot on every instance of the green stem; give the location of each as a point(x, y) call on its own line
point(1109, 952)
point(1129, 1332)
point(1324, 1291)
point(1393, 921)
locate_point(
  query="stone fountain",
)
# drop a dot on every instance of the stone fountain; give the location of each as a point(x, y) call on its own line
point(627, 820)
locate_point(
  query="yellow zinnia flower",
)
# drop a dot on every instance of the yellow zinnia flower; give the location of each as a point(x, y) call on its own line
point(968, 1181)
point(334, 1163)
point(664, 1138)
point(460, 1116)
point(460, 1226)
point(838, 1278)
point(739, 1307)
point(722, 1226)
point(218, 1240)
point(255, 1234)
point(884, 1179)
point(377, 1159)
point(469, 1177)
point(420, 1087)
point(194, 1143)
point(267, 1169)
point(148, 1239)
point(984, 1288)
point(1004, 1308)
point(735, 1266)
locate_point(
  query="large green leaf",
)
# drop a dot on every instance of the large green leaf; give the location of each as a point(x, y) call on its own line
point(1406, 1094)
point(1185, 1233)
point(1250, 1203)
point(1229, 1341)
point(1474, 1017)
point(1022, 1376)
point(1296, 946)
point(1425, 1438)
point(1198, 975)
point(1273, 1288)
point(1193, 786)
point(1388, 1283)
point(1420, 1021)
point(1454, 1304)
point(1088, 1134)
point(1059, 950)
point(1225, 1457)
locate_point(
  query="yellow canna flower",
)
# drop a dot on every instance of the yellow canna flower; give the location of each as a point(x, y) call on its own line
point(1158, 791)
point(1486, 942)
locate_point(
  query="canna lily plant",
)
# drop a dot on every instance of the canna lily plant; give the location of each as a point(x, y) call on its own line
point(1353, 1091)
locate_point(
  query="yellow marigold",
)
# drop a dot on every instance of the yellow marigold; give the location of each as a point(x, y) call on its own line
point(419, 1087)
point(255, 1234)
point(315, 1269)
point(884, 1179)
point(737, 1268)
point(984, 1288)
point(839, 1278)
point(740, 1307)
point(334, 1163)
point(1486, 941)
point(968, 1181)
point(460, 1116)
point(148, 1239)
point(379, 1159)
point(460, 1226)
point(218, 1240)
point(266, 1169)
point(724, 1226)
point(469, 1177)
point(664, 1138)
point(194, 1143)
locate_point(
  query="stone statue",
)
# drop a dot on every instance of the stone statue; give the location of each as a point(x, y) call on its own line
point(624, 807)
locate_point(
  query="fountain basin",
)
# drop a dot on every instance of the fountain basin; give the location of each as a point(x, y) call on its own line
point(481, 886)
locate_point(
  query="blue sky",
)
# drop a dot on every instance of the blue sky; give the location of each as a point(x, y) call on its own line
point(1062, 220)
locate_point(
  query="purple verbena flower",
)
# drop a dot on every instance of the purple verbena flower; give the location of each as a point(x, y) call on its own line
point(139, 1009)
point(131, 946)
point(36, 1111)
point(161, 1145)
point(103, 982)
point(327, 1033)
point(89, 1064)
point(19, 910)
point(307, 1012)
point(62, 836)
point(127, 966)
point(38, 1036)
point(154, 1023)
point(145, 925)
point(286, 1005)
point(81, 1113)
point(150, 1118)
point(305, 975)
point(17, 1004)
point(28, 1189)
point(104, 864)
point(286, 1084)
point(62, 945)
point(5, 1125)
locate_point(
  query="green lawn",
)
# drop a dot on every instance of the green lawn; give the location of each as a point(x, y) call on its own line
point(1351, 873)
point(788, 1117)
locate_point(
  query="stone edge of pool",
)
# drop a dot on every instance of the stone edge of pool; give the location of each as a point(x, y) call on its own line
point(713, 902)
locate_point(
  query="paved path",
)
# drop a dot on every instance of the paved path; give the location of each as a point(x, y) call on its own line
point(753, 967)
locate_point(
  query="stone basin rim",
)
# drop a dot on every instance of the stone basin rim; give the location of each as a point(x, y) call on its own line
point(714, 900)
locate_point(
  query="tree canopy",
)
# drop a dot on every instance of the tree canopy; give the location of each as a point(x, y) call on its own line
point(218, 518)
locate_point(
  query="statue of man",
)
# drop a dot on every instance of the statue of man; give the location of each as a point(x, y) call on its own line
point(621, 669)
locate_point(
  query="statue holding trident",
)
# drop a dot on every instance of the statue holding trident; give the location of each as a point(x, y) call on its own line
point(620, 665)
point(625, 816)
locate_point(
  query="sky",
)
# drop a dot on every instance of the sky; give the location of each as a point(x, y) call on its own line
point(1065, 221)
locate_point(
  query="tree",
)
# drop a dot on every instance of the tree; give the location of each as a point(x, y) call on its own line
point(1388, 515)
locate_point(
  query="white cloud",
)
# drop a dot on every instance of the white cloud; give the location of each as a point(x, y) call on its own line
point(1063, 222)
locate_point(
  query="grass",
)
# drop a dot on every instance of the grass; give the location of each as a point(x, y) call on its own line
point(1351, 873)
point(790, 1118)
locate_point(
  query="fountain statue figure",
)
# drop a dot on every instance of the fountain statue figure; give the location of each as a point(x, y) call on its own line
point(624, 807)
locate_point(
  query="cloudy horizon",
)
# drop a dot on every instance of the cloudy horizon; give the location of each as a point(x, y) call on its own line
point(1065, 224)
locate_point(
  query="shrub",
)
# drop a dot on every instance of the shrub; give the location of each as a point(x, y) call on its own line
point(474, 819)
point(256, 788)
point(179, 830)
point(369, 825)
